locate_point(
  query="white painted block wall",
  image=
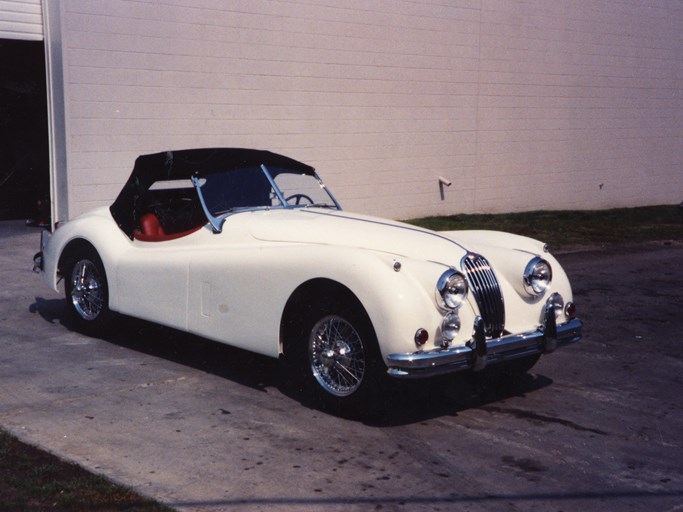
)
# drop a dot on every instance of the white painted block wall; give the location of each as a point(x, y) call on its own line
point(524, 105)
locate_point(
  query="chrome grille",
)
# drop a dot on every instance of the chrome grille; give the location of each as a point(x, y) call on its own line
point(486, 291)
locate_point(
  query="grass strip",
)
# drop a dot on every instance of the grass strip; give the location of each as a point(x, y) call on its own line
point(563, 229)
point(33, 480)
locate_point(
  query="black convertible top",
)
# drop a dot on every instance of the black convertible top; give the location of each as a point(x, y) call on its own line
point(183, 164)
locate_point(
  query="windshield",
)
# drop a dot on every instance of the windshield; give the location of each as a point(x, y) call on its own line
point(259, 187)
point(302, 189)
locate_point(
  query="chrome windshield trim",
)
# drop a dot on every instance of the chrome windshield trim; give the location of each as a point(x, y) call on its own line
point(283, 200)
point(216, 222)
point(278, 192)
point(327, 190)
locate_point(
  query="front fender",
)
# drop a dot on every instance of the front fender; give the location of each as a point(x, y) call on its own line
point(396, 292)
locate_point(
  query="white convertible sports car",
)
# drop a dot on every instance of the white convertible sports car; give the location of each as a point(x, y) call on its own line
point(249, 248)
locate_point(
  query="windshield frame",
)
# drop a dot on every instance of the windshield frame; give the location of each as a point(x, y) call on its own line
point(217, 221)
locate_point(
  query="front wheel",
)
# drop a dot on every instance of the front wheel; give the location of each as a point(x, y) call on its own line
point(337, 355)
point(86, 290)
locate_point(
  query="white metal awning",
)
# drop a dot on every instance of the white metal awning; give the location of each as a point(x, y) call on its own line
point(21, 19)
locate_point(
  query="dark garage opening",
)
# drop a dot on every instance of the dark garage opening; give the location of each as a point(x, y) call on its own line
point(24, 150)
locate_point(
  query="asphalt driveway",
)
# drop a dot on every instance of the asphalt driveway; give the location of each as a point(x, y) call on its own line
point(203, 427)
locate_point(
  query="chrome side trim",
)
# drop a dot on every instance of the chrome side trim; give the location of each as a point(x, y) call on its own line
point(406, 227)
point(473, 356)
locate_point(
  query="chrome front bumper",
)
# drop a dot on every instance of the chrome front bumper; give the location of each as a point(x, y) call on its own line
point(479, 352)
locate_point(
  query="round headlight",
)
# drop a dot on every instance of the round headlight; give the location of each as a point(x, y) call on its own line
point(537, 276)
point(451, 289)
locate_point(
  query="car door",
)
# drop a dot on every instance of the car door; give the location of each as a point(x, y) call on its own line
point(152, 281)
point(235, 293)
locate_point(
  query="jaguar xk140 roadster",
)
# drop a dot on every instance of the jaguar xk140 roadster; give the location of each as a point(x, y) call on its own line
point(250, 248)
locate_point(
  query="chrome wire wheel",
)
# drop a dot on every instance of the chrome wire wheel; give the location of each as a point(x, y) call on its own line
point(337, 356)
point(87, 289)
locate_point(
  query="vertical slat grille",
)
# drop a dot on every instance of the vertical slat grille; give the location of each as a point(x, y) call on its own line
point(486, 290)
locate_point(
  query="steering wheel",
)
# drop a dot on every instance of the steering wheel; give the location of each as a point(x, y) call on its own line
point(298, 197)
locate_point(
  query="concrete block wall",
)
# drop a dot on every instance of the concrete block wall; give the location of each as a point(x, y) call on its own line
point(524, 105)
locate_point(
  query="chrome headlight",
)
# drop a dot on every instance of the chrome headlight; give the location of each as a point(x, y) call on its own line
point(451, 289)
point(537, 277)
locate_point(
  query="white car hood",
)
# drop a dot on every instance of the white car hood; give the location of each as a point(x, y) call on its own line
point(336, 228)
point(316, 226)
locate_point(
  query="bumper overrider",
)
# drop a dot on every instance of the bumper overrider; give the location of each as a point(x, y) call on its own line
point(479, 352)
point(38, 262)
point(38, 258)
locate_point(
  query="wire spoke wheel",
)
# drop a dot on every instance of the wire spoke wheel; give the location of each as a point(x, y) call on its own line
point(337, 356)
point(87, 289)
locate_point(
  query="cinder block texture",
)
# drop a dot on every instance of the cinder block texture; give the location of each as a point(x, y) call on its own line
point(524, 105)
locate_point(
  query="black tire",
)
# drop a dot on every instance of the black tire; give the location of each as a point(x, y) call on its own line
point(334, 351)
point(86, 290)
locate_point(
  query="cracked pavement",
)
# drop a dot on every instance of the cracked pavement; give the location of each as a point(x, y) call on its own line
point(204, 427)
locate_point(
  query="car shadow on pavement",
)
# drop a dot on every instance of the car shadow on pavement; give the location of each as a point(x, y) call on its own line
point(51, 310)
point(408, 402)
point(246, 368)
point(398, 403)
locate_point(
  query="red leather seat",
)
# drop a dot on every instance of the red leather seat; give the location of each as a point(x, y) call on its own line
point(152, 231)
point(150, 226)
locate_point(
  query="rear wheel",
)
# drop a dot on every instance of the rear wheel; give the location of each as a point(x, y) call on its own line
point(86, 290)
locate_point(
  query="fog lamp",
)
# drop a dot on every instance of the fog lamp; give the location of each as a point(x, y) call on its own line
point(450, 326)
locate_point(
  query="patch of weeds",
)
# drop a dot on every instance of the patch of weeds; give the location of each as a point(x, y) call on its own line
point(32, 480)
